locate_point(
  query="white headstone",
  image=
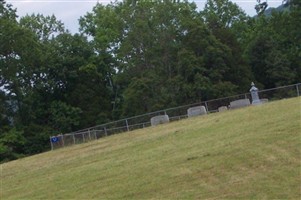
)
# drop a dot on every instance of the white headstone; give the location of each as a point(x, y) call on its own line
point(160, 119)
point(222, 108)
point(197, 110)
point(239, 103)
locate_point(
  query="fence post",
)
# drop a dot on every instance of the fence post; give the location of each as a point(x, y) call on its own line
point(63, 140)
point(127, 125)
point(73, 138)
point(83, 136)
point(51, 143)
point(95, 134)
point(206, 106)
point(89, 134)
point(298, 93)
point(106, 134)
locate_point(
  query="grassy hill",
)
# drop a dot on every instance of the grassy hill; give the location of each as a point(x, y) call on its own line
point(247, 153)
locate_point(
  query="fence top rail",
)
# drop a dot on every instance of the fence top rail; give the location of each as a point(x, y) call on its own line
point(173, 108)
point(139, 124)
point(277, 88)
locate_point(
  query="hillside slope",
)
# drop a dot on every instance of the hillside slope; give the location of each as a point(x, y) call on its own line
point(246, 153)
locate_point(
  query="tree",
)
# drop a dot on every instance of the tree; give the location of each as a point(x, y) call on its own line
point(163, 48)
point(92, 95)
point(64, 117)
point(44, 27)
point(222, 14)
point(273, 49)
point(11, 145)
point(19, 56)
point(229, 24)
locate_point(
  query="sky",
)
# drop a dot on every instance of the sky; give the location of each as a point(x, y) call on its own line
point(69, 11)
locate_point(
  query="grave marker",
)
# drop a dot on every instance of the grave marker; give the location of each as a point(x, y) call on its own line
point(222, 108)
point(160, 119)
point(254, 94)
point(195, 111)
point(239, 103)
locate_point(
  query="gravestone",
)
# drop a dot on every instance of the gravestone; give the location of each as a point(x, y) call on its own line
point(160, 119)
point(195, 111)
point(254, 94)
point(239, 103)
point(222, 108)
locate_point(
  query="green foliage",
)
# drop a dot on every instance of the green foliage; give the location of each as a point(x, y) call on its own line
point(92, 96)
point(12, 145)
point(139, 93)
point(64, 117)
point(7, 12)
point(37, 138)
point(223, 14)
point(44, 27)
point(273, 50)
point(229, 24)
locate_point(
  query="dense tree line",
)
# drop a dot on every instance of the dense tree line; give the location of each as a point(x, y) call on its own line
point(133, 57)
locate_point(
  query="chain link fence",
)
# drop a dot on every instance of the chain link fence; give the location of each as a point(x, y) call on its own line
point(174, 114)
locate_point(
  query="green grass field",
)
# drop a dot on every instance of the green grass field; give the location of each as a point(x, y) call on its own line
point(250, 153)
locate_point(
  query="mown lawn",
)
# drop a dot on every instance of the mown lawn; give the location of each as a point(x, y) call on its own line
point(250, 153)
